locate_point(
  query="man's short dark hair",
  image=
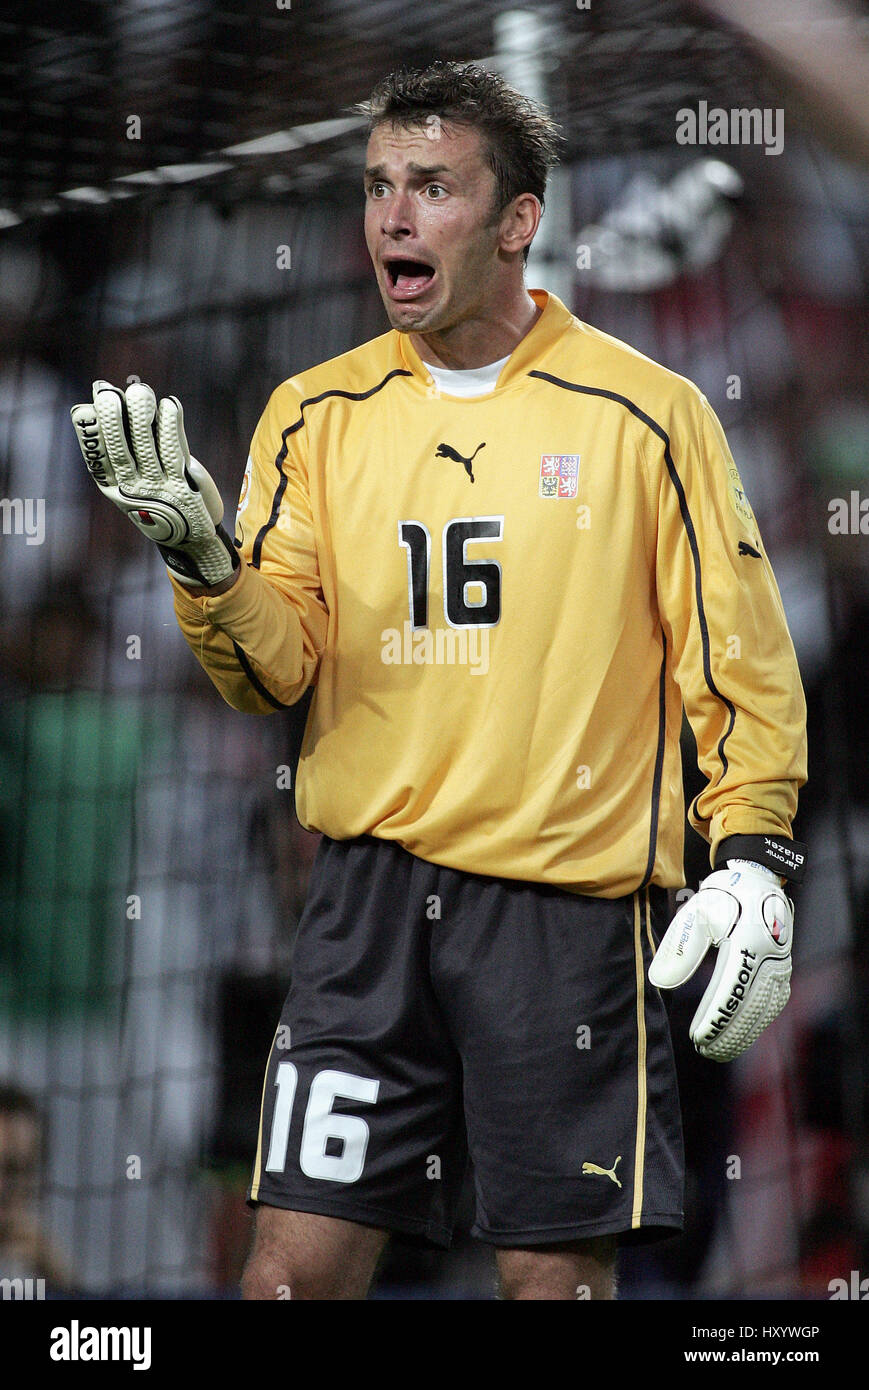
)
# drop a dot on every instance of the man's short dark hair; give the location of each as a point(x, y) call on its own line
point(522, 139)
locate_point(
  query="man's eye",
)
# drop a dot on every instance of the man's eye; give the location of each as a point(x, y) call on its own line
point(376, 189)
point(435, 189)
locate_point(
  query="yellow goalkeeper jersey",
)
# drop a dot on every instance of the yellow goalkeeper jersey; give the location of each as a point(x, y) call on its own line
point(503, 603)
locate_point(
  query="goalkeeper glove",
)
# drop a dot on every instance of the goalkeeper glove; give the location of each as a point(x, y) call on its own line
point(743, 911)
point(137, 454)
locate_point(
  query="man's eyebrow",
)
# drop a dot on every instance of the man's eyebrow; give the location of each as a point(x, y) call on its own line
point(424, 171)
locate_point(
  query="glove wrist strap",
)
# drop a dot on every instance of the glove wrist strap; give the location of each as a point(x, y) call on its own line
point(785, 857)
point(184, 565)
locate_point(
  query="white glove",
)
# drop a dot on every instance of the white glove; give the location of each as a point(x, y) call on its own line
point(744, 912)
point(148, 472)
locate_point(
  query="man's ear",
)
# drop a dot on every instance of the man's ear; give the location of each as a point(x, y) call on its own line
point(519, 222)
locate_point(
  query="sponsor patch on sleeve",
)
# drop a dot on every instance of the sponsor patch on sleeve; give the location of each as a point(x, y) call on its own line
point(244, 494)
point(738, 500)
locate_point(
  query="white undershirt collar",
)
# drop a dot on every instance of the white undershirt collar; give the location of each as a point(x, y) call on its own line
point(471, 381)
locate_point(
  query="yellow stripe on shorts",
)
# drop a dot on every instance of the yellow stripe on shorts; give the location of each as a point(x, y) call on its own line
point(257, 1166)
point(640, 1152)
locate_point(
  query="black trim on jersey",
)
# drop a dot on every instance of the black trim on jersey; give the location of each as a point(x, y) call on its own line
point(659, 765)
point(255, 680)
point(291, 429)
point(692, 542)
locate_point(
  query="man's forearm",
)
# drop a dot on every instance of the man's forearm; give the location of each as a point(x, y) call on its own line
point(258, 645)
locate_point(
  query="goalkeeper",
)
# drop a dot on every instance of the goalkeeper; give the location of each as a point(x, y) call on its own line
point(506, 550)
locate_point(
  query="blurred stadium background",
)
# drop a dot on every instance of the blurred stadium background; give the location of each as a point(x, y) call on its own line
point(180, 200)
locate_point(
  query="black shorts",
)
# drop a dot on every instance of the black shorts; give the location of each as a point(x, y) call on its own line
point(432, 1013)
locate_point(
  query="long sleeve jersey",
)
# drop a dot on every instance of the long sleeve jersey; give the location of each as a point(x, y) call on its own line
point(503, 604)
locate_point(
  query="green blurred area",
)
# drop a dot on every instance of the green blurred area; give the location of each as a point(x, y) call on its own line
point(68, 769)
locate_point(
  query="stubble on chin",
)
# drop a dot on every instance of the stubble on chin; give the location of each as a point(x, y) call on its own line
point(426, 321)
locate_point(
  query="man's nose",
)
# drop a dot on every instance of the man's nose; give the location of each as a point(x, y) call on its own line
point(398, 216)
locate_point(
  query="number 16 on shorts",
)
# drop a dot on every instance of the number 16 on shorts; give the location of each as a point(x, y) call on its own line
point(321, 1125)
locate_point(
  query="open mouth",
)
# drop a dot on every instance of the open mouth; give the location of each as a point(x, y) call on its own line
point(406, 277)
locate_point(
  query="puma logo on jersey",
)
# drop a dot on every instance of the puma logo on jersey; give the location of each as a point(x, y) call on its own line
point(591, 1168)
point(746, 549)
point(446, 451)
